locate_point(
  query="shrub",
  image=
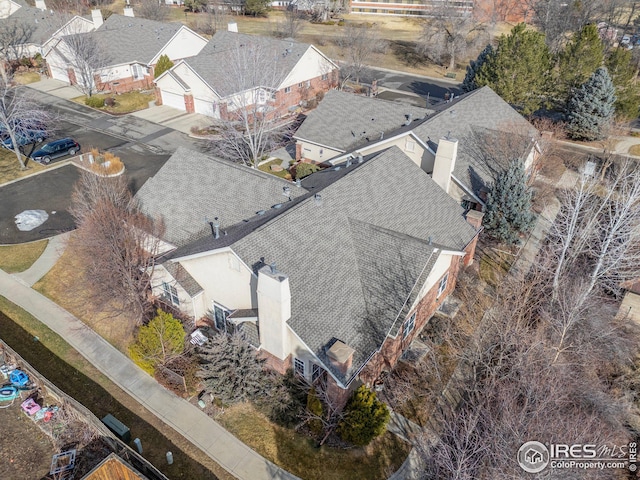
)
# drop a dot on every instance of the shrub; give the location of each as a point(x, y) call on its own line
point(158, 342)
point(365, 418)
point(341, 23)
point(314, 405)
point(110, 102)
point(305, 169)
point(94, 102)
point(164, 64)
point(105, 163)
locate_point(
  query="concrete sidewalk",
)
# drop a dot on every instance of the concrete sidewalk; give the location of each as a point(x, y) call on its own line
point(173, 118)
point(187, 419)
point(56, 87)
point(46, 261)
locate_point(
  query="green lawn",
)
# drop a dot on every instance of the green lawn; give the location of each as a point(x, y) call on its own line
point(125, 102)
point(266, 167)
point(299, 455)
point(18, 258)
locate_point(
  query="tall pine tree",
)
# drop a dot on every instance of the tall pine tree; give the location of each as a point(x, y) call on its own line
point(519, 70)
point(469, 82)
point(508, 207)
point(592, 107)
point(620, 66)
point(582, 56)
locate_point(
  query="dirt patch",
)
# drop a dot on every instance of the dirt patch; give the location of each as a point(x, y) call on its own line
point(28, 453)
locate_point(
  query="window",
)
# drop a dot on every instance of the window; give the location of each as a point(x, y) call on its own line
point(170, 293)
point(409, 325)
point(220, 317)
point(443, 284)
point(138, 71)
point(298, 366)
point(308, 84)
point(287, 89)
point(300, 85)
point(262, 97)
point(325, 76)
point(316, 371)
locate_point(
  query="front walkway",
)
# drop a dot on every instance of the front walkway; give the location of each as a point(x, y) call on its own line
point(187, 419)
point(46, 261)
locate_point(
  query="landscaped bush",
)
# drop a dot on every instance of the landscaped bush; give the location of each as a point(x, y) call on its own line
point(305, 169)
point(365, 418)
point(158, 343)
point(105, 163)
point(110, 102)
point(94, 102)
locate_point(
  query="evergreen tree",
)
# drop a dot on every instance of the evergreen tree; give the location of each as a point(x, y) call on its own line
point(519, 70)
point(591, 107)
point(158, 342)
point(257, 8)
point(582, 56)
point(231, 370)
point(620, 66)
point(164, 64)
point(365, 418)
point(469, 82)
point(508, 207)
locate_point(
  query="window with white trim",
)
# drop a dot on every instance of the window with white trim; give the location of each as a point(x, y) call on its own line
point(138, 71)
point(220, 315)
point(443, 284)
point(325, 76)
point(409, 325)
point(409, 145)
point(262, 97)
point(298, 366)
point(287, 89)
point(308, 84)
point(300, 85)
point(170, 293)
point(316, 371)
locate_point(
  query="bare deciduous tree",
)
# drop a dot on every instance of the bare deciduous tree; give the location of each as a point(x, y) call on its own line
point(152, 10)
point(20, 116)
point(15, 35)
point(213, 20)
point(248, 126)
point(117, 243)
point(359, 43)
point(290, 25)
point(449, 33)
point(87, 58)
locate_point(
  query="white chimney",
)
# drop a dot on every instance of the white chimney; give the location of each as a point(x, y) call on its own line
point(128, 11)
point(41, 5)
point(274, 309)
point(232, 27)
point(96, 16)
point(445, 162)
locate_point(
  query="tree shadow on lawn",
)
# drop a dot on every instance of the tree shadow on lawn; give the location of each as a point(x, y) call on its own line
point(101, 402)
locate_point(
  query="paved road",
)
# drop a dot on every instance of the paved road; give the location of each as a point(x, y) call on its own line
point(142, 145)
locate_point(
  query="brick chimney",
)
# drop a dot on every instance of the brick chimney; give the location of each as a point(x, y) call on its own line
point(445, 162)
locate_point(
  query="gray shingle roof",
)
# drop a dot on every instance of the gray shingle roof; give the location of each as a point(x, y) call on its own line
point(132, 39)
point(192, 188)
point(186, 281)
point(481, 109)
point(344, 120)
point(353, 260)
point(215, 62)
point(41, 24)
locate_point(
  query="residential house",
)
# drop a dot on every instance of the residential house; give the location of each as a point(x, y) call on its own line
point(209, 83)
point(332, 276)
point(455, 142)
point(130, 48)
point(408, 8)
point(28, 29)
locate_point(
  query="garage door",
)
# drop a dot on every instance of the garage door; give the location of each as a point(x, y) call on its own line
point(59, 73)
point(173, 100)
point(204, 107)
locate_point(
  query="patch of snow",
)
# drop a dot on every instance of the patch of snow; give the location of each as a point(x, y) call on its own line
point(30, 219)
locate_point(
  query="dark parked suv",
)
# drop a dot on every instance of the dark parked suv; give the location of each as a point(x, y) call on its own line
point(55, 149)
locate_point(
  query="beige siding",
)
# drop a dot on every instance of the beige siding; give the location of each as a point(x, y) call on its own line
point(312, 64)
point(185, 43)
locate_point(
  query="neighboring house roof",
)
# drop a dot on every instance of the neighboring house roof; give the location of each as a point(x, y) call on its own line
point(192, 189)
point(344, 121)
point(177, 271)
point(214, 63)
point(40, 24)
point(132, 39)
point(353, 261)
point(113, 468)
point(481, 109)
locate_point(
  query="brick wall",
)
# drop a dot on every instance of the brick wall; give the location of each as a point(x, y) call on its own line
point(274, 363)
point(392, 348)
point(158, 96)
point(189, 103)
point(123, 85)
point(284, 100)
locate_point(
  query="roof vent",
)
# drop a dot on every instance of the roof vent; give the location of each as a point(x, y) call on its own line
point(277, 206)
point(215, 228)
point(429, 241)
point(286, 191)
point(317, 198)
point(409, 119)
point(298, 183)
point(348, 162)
point(360, 158)
point(273, 268)
point(260, 212)
point(337, 168)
